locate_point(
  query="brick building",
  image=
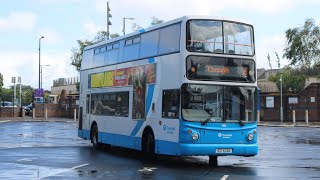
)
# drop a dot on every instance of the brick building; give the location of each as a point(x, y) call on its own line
point(308, 99)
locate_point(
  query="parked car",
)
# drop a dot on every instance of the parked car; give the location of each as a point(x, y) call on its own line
point(7, 104)
point(28, 109)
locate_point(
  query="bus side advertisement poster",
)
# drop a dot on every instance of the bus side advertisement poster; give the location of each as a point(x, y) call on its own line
point(122, 77)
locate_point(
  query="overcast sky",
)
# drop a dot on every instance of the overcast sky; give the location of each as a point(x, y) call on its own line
point(62, 22)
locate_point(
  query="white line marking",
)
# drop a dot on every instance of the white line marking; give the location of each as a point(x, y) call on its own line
point(62, 171)
point(5, 121)
point(27, 159)
point(224, 177)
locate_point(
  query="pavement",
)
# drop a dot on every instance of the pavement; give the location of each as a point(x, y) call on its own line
point(38, 119)
point(289, 124)
point(262, 123)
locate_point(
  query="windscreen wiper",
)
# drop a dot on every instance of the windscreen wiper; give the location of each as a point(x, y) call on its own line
point(205, 121)
point(241, 122)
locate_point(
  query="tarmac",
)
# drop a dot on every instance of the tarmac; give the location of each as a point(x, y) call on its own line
point(60, 119)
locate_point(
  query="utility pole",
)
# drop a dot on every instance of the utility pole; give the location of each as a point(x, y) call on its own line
point(124, 24)
point(108, 20)
point(19, 81)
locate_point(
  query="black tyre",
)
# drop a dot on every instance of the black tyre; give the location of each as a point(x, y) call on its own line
point(213, 161)
point(148, 147)
point(94, 136)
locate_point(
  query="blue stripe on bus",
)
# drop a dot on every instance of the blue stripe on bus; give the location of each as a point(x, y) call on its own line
point(151, 60)
point(137, 127)
point(149, 97)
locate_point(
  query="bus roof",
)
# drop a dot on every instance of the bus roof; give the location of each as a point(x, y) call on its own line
point(184, 18)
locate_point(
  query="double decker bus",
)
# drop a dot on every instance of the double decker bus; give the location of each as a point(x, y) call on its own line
point(185, 87)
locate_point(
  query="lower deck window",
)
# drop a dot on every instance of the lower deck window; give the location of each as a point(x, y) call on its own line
point(110, 104)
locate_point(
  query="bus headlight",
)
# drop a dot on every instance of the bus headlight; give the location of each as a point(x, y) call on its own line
point(250, 137)
point(195, 136)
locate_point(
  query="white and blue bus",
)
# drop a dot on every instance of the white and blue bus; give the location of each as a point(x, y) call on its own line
point(184, 87)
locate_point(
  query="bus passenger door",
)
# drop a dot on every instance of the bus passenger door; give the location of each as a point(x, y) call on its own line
point(87, 115)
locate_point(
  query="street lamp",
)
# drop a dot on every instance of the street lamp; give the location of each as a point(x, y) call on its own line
point(124, 24)
point(281, 108)
point(41, 73)
point(39, 58)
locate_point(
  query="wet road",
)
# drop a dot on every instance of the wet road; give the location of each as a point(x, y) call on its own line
point(52, 150)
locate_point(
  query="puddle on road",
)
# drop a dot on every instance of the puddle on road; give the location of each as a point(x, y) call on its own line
point(84, 173)
point(307, 141)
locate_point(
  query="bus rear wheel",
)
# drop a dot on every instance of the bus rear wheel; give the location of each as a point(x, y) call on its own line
point(94, 136)
point(148, 146)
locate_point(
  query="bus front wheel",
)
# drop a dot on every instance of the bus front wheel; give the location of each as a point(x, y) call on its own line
point(213, 161)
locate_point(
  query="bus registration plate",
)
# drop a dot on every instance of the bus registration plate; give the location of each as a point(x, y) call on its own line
point(223, 150)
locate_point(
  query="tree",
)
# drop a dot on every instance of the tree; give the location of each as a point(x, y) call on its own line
point(27, 93)
point(156, 21)
point(76, 53)
point(303, 44)
point(292, 80)
point(1, 82)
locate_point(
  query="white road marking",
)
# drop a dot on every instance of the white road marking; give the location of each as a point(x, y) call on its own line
point(26, 159)
point(224, 177)
point(147, 169)
point(62, 171)
point(5, 121)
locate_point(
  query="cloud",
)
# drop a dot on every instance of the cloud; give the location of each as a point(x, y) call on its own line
point(26, 65)
point(270, 44)
point(50, 36)
point(18, 21)
point(91, 28)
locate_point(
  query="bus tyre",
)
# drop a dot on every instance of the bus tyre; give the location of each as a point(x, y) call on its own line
point(149, 146)
point(94, 136)
point(213, 161)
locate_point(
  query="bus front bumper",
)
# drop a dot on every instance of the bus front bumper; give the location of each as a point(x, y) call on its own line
point(219, 149)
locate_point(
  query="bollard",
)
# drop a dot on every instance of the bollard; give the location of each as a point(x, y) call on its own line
point(294, 116)
point(247, 115)
point(307, 118)
point(34, 113)
point(46, 113)
point(75, 114)
point(258, 114)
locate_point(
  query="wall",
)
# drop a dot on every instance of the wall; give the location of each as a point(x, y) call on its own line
point(7, 112)
point(304, 103)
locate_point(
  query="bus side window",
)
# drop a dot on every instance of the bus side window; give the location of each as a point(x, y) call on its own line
point(170, 103)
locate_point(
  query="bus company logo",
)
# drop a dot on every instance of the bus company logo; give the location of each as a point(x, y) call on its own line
point(226, 136)
point(168, 129)
point(164, 127)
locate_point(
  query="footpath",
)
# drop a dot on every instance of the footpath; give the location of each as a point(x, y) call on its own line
point(30, 119)
point(58, 119)
point(289, 124)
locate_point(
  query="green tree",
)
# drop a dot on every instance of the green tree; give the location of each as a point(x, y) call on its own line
point(6, 94)
point(27, 93)
point(1, 82)
point(76, 53)
point(155, 21)
point(292, 80)
point(303, 44)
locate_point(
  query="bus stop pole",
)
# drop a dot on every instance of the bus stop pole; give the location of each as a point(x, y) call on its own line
point(75, 114)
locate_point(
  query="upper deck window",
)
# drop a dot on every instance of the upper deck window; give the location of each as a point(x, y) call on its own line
point(211, 36)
